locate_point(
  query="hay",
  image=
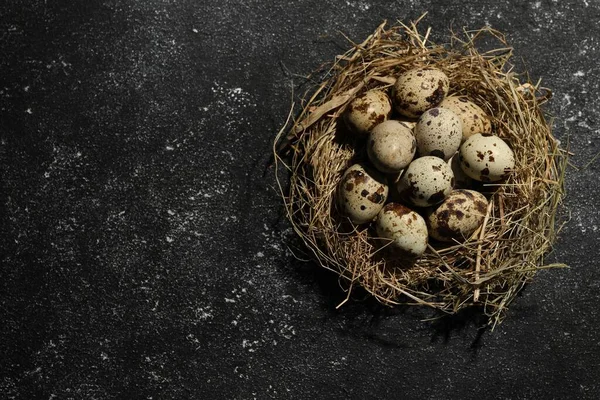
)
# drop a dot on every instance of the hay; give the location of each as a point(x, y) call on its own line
point(490, 268)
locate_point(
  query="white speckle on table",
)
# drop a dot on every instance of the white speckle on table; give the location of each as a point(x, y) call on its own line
point(584, 227)
point(336, 363)
point(287, 296)
point(28, 111)
point(194, 340)
point(231, 157)
point(65, 160)
point(579, 73)
point(361, 5)
point(247, 344)
point(287, 331)
point(230, 98)
point(228, 300)
point(203, 313)
point(573, 118)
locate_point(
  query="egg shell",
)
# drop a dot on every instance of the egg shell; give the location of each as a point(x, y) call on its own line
point(473, 118)
point(486, 158)
point(458, 216)
point(367, 111)
point(426, 181)
point(391, 146)
point(409, 124)
point(438, 133)
point(461, 180)
point(418, 90)
point(362, 193)
point(405, 227)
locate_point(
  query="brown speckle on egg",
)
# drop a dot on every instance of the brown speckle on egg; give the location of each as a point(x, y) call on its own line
point(367, 111)
point(474, 119)
point(417, 90)
point(424, 179)
point(358, 186)
point(405, 230)
point(438, 132)
point(458, 216)
point(391, 146)
point(486, 158)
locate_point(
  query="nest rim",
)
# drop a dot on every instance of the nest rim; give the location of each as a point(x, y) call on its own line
point(520, 226)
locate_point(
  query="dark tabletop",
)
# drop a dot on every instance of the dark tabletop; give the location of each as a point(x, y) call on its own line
point(143, 249)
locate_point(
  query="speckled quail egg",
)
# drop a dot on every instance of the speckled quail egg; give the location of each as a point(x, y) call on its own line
point(486, 158)
point(367, 111)
point(406, 228)
point(461, 180)
point(438, 133)
point(391, 146)
point(362, 193)
point(459, 215)
point(474, 119)
point(426, 181)
point(418, 90)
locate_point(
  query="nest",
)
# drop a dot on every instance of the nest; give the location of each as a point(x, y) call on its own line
point(491, 267)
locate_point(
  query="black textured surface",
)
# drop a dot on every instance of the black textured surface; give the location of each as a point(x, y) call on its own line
point(143, 254)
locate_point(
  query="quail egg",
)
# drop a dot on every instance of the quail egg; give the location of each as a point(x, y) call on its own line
point(406, 228)
point(459, 215)
point(391, 146)
point(368, 110)
point(418, 90)
point(362, 193)
point(474, 119)
point(486, 158)
point(426, 181)
point(438, 133)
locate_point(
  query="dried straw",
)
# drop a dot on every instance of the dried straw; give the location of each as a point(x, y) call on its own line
point(490, 268)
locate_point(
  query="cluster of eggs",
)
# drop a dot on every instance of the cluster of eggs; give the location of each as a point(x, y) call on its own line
point(424, 150)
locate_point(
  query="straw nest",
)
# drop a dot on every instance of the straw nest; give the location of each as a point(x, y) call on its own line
point(490, 268)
